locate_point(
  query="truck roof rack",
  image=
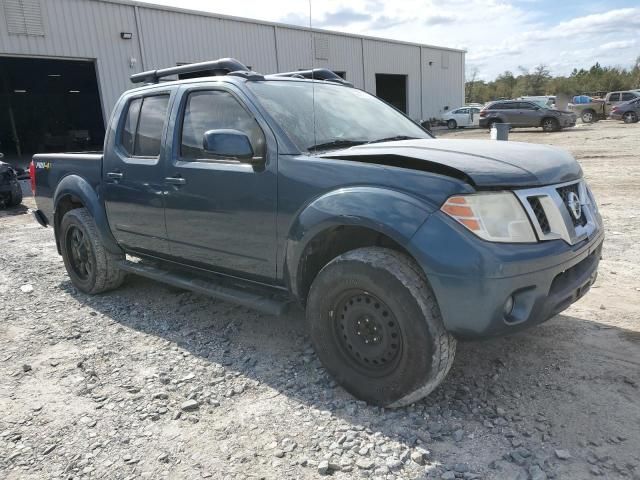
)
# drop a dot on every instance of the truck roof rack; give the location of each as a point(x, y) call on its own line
point(213, 68)
point(230, 66)
point(316, 74)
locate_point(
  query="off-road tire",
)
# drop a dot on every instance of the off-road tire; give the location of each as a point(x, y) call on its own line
point(630, 117)
point(588, 116)
point(15, 199)
point(549, 124)
point(105, 274)
point(425, 350)
point(452, 124)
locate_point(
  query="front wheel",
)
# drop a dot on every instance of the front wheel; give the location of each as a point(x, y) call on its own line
point(588, 116)
point(90, 266)
point(376, 326)
point(452, 124)
point(630, 117)
point(550, 125)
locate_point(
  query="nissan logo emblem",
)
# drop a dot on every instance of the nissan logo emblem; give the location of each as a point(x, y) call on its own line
point(573, 202)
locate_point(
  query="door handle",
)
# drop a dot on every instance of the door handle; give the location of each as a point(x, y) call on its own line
point(175, 180)
point(115, 175)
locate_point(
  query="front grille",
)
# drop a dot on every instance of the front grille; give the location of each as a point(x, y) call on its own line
point(538, 211)
point(564, 194)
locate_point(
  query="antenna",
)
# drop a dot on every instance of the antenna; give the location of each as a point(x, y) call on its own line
point(313, 83)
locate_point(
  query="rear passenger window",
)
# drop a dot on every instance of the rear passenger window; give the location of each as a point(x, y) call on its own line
point(130, 124)
point(614, 97)
point(213, 110)
point(143, 125)
point(150, 125)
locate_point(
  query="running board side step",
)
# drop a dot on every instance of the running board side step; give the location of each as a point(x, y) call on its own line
point(223, 290)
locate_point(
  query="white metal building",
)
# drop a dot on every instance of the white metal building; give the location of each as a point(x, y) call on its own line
point(78, 54)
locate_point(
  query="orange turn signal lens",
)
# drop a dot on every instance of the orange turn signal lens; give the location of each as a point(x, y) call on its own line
point(459, 209)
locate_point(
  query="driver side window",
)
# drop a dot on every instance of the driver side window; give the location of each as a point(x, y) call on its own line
point(213, 110)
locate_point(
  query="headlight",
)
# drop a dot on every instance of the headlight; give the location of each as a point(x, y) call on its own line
point(496, 217)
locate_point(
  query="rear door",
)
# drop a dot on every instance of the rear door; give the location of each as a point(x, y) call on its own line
point(462, 117)
point(474, 114)
point(222, 214)
point(529, 114)
point(511, 113)
point(133, 174)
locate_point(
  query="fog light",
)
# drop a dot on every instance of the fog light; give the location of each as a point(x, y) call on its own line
point(508, 306)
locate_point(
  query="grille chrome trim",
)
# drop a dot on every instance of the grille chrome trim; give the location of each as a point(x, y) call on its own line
point(560, 224)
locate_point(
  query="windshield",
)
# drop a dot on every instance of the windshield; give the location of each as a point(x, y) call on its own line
point(343, 116)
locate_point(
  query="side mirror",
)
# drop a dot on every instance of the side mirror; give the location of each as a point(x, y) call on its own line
point(231, 144)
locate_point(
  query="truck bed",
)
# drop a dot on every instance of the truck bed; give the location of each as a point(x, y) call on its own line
point(52, 168)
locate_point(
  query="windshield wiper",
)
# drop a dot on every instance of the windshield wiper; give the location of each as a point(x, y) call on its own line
point(391, 139)
point(335, 144)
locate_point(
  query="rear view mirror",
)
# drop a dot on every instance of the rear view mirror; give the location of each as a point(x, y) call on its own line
point(231, 144)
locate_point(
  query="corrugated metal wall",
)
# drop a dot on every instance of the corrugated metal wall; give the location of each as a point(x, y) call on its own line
point(90, 29)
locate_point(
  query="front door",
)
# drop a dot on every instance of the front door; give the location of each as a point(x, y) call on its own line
point(133, 175)
point(221, 213)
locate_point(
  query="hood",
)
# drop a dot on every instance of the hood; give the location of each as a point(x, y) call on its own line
point(482, 163)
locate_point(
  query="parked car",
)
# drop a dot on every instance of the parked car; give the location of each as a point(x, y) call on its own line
point(520, 113)
point(462, 117)
point(629, 112)
point(547, 101)
point(395, 243)
point(10, 190)
point(601, 108)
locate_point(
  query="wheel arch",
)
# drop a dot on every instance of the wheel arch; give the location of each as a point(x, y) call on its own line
point(345, 220)
point(74, 192)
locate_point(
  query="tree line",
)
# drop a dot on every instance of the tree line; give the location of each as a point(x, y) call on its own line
point(594, 81)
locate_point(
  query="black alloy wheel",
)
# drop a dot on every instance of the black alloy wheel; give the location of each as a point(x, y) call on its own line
point(80, 253)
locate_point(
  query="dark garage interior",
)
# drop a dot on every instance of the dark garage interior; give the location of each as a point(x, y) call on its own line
point(392, 89)
point(48, 106)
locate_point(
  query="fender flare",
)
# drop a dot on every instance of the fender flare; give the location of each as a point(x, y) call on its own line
point(78, 187)
point(388, 212)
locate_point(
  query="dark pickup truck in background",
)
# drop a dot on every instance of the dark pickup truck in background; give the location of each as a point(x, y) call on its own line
point(272, 189)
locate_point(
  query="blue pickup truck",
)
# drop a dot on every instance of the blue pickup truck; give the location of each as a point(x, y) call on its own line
point(296, 188)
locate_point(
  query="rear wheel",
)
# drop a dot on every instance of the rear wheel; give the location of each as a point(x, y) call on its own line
point(630, 117)
point(588, 116)
point(90, 266)
point(376, 326)
point(452, 124)
point(550, 125)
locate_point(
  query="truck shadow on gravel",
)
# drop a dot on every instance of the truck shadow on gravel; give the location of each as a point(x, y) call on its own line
point(495, 398)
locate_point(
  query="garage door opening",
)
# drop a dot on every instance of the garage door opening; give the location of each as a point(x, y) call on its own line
point(392, 89)
point(48, 106)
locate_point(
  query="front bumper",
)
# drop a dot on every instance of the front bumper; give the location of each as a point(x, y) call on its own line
point(473, 279)
point(568, 121)
point(615, 116)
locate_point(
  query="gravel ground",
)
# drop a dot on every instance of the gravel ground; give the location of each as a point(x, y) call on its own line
point(154, 382)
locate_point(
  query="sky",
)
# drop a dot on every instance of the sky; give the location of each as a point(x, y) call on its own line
point(498, 35)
